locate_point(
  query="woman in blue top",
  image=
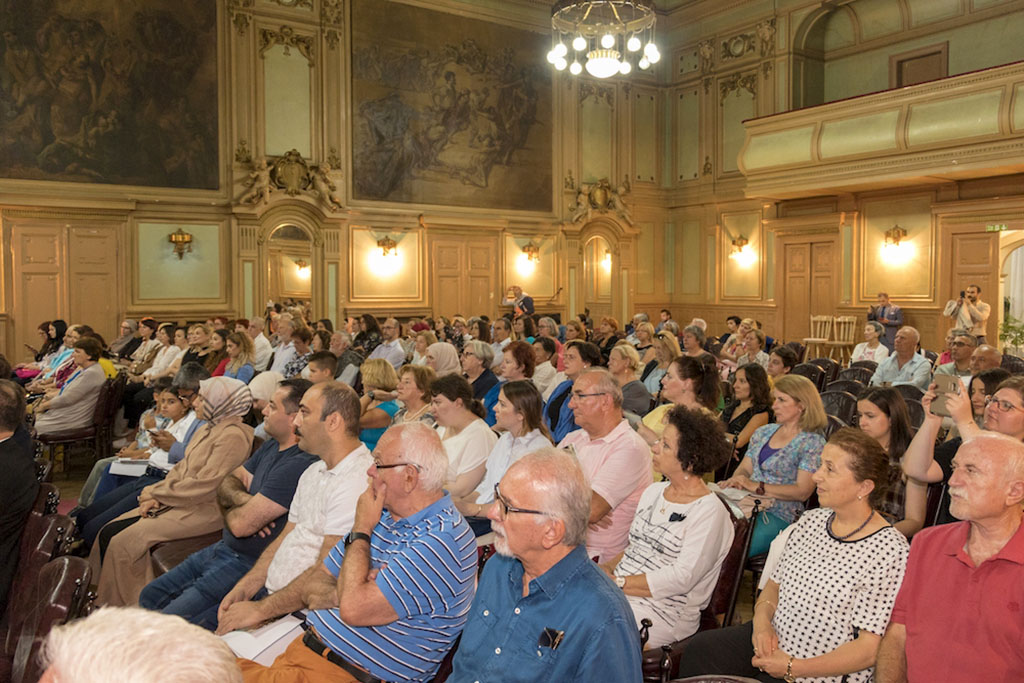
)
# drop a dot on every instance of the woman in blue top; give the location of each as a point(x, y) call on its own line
point(782, 456)
point(558, 416)
point(240, 354)
point(378, 376)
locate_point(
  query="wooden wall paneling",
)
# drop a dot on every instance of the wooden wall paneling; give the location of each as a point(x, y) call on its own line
point(38, 283)
point(796, 291)
point(976, 261)
point(824, 293)
point(446, 259)
point(482, 282)
point(92, 278)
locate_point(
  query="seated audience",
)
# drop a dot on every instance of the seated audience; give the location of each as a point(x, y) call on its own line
point(413, 391)
point(240, 362)
point(321, 340)
point(127, 340)
point(376, 411)
point(466, 437)
point(732, 347)
point(624, 364)
point(476, 367)
point(322, 367)
point(142, 357)
point(168, 358)
point(822, 614)
point(18, 486)
point(301, 338)
point(254, 501)
point(52, 354)
point(393, 597)
point(370, 334)
point(542, 583)
point(390, 347)
point(321, 514)
point(614, 458)
point(217, 360)
point(979, 388)
point(261, 348)
point(924, 461)
point(985, 357)
point(73, 406)
point(872, 347)
point(444, 359)
point(748, 411)
point(198, 345)
point(525, 328)
point(905, 365)
point(558, 415)
point(690, 382)
point(645, 343)
point(781, 458)
point(882, 415)
point(961, 349)
point(349, 359)
point(544, 372)
point(518, 415)
point(424, 338)
point(284, 350)
point(517, 363)
point(184, 503)
point(502, 337)
point(574, 329)
point(607, 335)
point(135, 645)
point(781, 361)
point(547, 327)
point(693, 341)
point(753, 349)
point(954, 617)
point(681, 532)
point(666, 350)
point(732, 325)
point(947, 350)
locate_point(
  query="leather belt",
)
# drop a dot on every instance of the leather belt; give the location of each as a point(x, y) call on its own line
point(310, 640)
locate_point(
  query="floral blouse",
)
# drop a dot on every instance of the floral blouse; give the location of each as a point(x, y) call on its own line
point(802, 453)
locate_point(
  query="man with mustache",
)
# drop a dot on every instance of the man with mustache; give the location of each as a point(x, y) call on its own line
point(544, 611)
point(958, 613)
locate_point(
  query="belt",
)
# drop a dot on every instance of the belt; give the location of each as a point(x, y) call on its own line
point(310, 640)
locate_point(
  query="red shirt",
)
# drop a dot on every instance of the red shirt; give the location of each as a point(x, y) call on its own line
point(964, 623)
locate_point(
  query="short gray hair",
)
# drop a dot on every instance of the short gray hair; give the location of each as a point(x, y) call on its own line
point(546, 320)
point(257, 323)
point(641, 318)
point(485, 352)
point(128, 644)
point(605, 383)
point(421, 446)
point(558, 477)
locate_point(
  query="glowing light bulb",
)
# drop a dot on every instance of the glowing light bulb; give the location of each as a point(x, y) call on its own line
point(575, 68)
point(607, 40)
point(560, 64)
point(579, 43)
point(551, 57)
point(625, 68)
point(643, 63)
point(560, 50)
point(633, 44)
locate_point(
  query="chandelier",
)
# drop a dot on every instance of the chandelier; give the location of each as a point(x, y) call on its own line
point(603, 36)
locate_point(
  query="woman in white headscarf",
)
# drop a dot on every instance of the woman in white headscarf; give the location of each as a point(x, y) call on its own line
point(184, 504)
point(444, 358)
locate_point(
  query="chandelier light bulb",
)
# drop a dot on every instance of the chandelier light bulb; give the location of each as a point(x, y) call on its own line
point(633, 44)
point(643, 63)
point(601, 37)
point(575, 68)
point(560, 63)
point(625, 68)
point(607, 41)
point(551, 57)
point(560, 50)
point(602, 63)
point(652, 53)
point(579, 43)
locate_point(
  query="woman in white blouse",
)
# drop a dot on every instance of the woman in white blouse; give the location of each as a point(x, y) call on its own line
point(466, 437)
point(517, 414)
point(681, 532)
point(872, 347)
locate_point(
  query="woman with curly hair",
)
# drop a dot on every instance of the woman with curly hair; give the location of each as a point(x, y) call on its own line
point(681, 532)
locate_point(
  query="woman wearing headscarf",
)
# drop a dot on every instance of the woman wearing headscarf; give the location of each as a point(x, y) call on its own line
point(128, 340)
point(184, 504)
point(444, 358)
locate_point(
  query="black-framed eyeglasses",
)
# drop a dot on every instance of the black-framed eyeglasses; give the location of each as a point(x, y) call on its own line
point(380, 466)
point(506, 508)
point(1003, 405)
point(580, 395)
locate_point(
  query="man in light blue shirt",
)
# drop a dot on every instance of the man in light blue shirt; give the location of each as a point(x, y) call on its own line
point(391, 348)
point(905, 365)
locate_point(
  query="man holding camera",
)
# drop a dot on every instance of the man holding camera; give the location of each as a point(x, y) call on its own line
point(969, 312)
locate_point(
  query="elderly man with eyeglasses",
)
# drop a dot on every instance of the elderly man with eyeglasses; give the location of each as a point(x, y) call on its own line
point(615, 459)
point(543, 610)
point(960, 349)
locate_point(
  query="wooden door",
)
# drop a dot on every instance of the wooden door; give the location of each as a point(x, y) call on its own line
point(464, 277)
point(808, 284)
point(976, 262)
point(92, 278)
point(38, 287)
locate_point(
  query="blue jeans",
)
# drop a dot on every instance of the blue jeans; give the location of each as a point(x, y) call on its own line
point(114, 504)
point(193, 590)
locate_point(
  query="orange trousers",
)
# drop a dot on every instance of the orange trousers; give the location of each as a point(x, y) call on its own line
point(297, 664)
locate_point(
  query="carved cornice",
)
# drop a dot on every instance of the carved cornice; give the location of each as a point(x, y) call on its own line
point(287, 37)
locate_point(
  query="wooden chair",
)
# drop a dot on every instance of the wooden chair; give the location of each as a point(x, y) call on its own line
point(862, 375)
point(834, 425)
point(811, 372)
point(909, 392)
point(930, 355)
point(830, 367)
point(844, 331)
point(935, 493)
point(167, 555)
point(841, 404)
point(799, 349)
point(851, 386)
point(916, 410)
point(44, 470)
point(100, 431)
point(869, 364)
point(821, 333)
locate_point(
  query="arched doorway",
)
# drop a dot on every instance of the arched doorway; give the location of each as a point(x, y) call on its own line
point(597, 277)
point(600, 267)
point(290, 259)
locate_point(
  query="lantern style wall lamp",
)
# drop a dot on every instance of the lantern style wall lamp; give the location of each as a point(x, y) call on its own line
point(182, 242)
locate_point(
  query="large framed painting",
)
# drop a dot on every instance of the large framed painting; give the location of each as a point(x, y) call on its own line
point(449, 110)
point(109, 92)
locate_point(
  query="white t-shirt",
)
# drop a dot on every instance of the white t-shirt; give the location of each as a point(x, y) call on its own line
point(506, 451)
point(158, 457)
point(324, 505)
point(468, 449)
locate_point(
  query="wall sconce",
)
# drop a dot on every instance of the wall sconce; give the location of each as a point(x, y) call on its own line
point(182, 242)
point(387, 246)
point(742, 254)
point(532, 253)
point(385, 260)
point(896, 249)
point(303, 267)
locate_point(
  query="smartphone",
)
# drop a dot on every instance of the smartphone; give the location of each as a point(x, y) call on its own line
point(963, 293)
point(945, 385)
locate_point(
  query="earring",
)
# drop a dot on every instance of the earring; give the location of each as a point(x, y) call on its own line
point(860, 497)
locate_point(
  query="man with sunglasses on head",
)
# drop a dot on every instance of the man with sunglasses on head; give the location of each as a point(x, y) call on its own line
point(390, 599)
point(544, 611)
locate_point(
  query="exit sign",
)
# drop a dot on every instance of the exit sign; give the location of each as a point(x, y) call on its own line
point(995, 228)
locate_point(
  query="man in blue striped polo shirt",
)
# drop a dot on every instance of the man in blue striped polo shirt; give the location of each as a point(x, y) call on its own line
point(394, 594)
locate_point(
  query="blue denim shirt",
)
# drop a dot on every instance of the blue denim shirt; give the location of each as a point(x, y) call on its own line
point(500, 642)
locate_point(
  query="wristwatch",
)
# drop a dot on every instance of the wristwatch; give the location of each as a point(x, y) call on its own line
point(760, 488)
point(620, 581)
point(354, 536)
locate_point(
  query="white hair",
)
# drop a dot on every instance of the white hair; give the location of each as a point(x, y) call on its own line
point(557, 476)
point(420, 445)
point(133, 645)
point(1005, 448)
point(257, 323)
point(482, 351)
point(605, 383)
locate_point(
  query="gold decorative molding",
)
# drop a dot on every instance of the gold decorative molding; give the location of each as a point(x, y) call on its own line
point(287, 37)
point(295, 4)
point(332, 13)
point(738, 81)
point(240, 14)
point(599, 91)
point(706, 50)
point(242, 153)
point(738, 46)
point(601, 198)
point(766, 37)
point(333, 158)
point(293, 175)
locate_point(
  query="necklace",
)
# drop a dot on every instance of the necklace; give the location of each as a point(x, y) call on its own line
point(412, 417)
point(852, 533)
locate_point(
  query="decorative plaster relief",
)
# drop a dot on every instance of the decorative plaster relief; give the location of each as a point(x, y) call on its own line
point(598, 91)
point(706, 49)
point(286, 37)
point(240, 16)
point(601, 198)
point(295, 3)
point(737, 81)
point(766, 37)
point(738, 45)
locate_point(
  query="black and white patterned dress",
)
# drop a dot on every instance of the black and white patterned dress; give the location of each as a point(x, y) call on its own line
point(830, 590)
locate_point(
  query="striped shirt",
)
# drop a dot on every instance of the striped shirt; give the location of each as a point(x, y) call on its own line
point(427, 573)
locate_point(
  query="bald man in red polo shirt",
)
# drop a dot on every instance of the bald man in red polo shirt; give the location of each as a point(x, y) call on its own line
point(959, 616)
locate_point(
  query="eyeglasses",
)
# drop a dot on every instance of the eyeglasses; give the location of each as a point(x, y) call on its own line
point(580, 395)
point(506, 508)
point(1003, 405)
point(959, 343)
point(467, 354)
point(380, 466)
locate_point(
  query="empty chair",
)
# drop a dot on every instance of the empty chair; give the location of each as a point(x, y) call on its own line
point(862, 375)
point(830, 367)
point(909, 392)
point(821, 333)
point(930, 355)
point(811, 372)
point(844, 328)
point(916, 410)
point(849, 385)
point(841, 404)
point(869, 364)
